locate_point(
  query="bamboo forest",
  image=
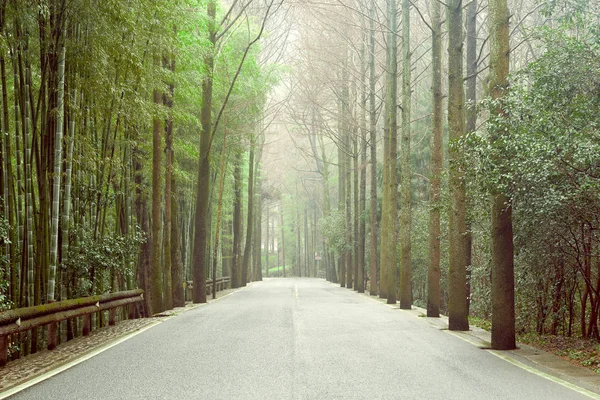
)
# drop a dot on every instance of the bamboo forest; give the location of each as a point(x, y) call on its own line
point(440, 156)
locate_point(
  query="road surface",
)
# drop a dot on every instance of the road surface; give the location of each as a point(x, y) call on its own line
point(296, 339)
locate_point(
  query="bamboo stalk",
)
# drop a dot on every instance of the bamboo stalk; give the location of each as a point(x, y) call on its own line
point(57, 176)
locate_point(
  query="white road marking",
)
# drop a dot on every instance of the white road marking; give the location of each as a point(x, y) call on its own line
point(503, 356)
point(554, 379)
point(527, 368)
point(70, 364)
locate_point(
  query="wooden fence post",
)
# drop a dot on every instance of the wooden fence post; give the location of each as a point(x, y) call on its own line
point(3, 350)
point(52, 336)
point(87, 324)
point(111, 316)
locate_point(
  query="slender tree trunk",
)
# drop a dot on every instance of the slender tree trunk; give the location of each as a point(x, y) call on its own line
point(267, 243)
point(237, 225)
point(471, 114)
point(349, 221)
point(258, 206)
point(342, 203)
point(405, 201)
point(307, 269)
point(20, 219)
point(28, 206)
point(257, 267)
point(219, 210)
point(9, 186)
point(373, 281)
point(66, 211)
point(356, 207)
point(169, 194)
point(57, 174)
point(433, 271)
point(201, 236)
point(176, 259)
point(503, 286)
point(282, 239)
point(226, 249)
point(329, 264)
point(390, 208)
point(457, 274)
point(156, 270)
point(250, 218)
point(298, 240)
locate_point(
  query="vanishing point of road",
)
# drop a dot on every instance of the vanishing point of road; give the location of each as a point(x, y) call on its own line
point(296, 339)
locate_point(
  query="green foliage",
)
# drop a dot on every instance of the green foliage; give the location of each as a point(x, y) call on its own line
point(101, 256)
point(485, 324)
point(333, 229)
point(546, 162)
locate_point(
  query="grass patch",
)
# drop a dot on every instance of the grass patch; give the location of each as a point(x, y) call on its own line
point(278, 271)
point(480, 323)
point(582, 352)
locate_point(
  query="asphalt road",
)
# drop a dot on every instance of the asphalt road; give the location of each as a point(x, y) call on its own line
point(296, 339)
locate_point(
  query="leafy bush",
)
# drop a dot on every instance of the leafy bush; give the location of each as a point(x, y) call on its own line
point(93, 259)
point(547, 163)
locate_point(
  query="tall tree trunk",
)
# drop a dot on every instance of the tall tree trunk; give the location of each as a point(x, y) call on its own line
point(389, 233)
point(457, 274)
point(267, 243)
point(373, 281)
point(169, 194)
point(66, 211)
point(57, 174)
point(28, 254)
point(201, 236)
point(226, 249)
point(405, 201)
point(356, 206)
point(348, 208)
point(307, 269)
point(329, 264)
point(282, 238)
point(250, 217)
point(20, 219)
point(360, 277)
point(298, 240)
point(503, 286)
point(9, 186)
point(176, 259)
point(258, 206)
point(219, 210)
point(342, 201)
point(156, 270)
point(433, 271)
point(237, 226)
point(471, 114)
point(257, 264)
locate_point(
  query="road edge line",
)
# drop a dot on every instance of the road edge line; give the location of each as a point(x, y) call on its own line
point(545, 375)
point(504, 357)
point(40, 378)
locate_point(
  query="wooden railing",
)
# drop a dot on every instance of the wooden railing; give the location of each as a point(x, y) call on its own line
point(23, 319)
point(221, 283)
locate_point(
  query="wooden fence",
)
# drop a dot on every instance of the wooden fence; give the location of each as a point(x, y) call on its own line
point(20, 320)
point(24, 319)
point(221, 284)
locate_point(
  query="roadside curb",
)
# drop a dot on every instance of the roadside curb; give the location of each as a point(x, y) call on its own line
point(531, 359)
